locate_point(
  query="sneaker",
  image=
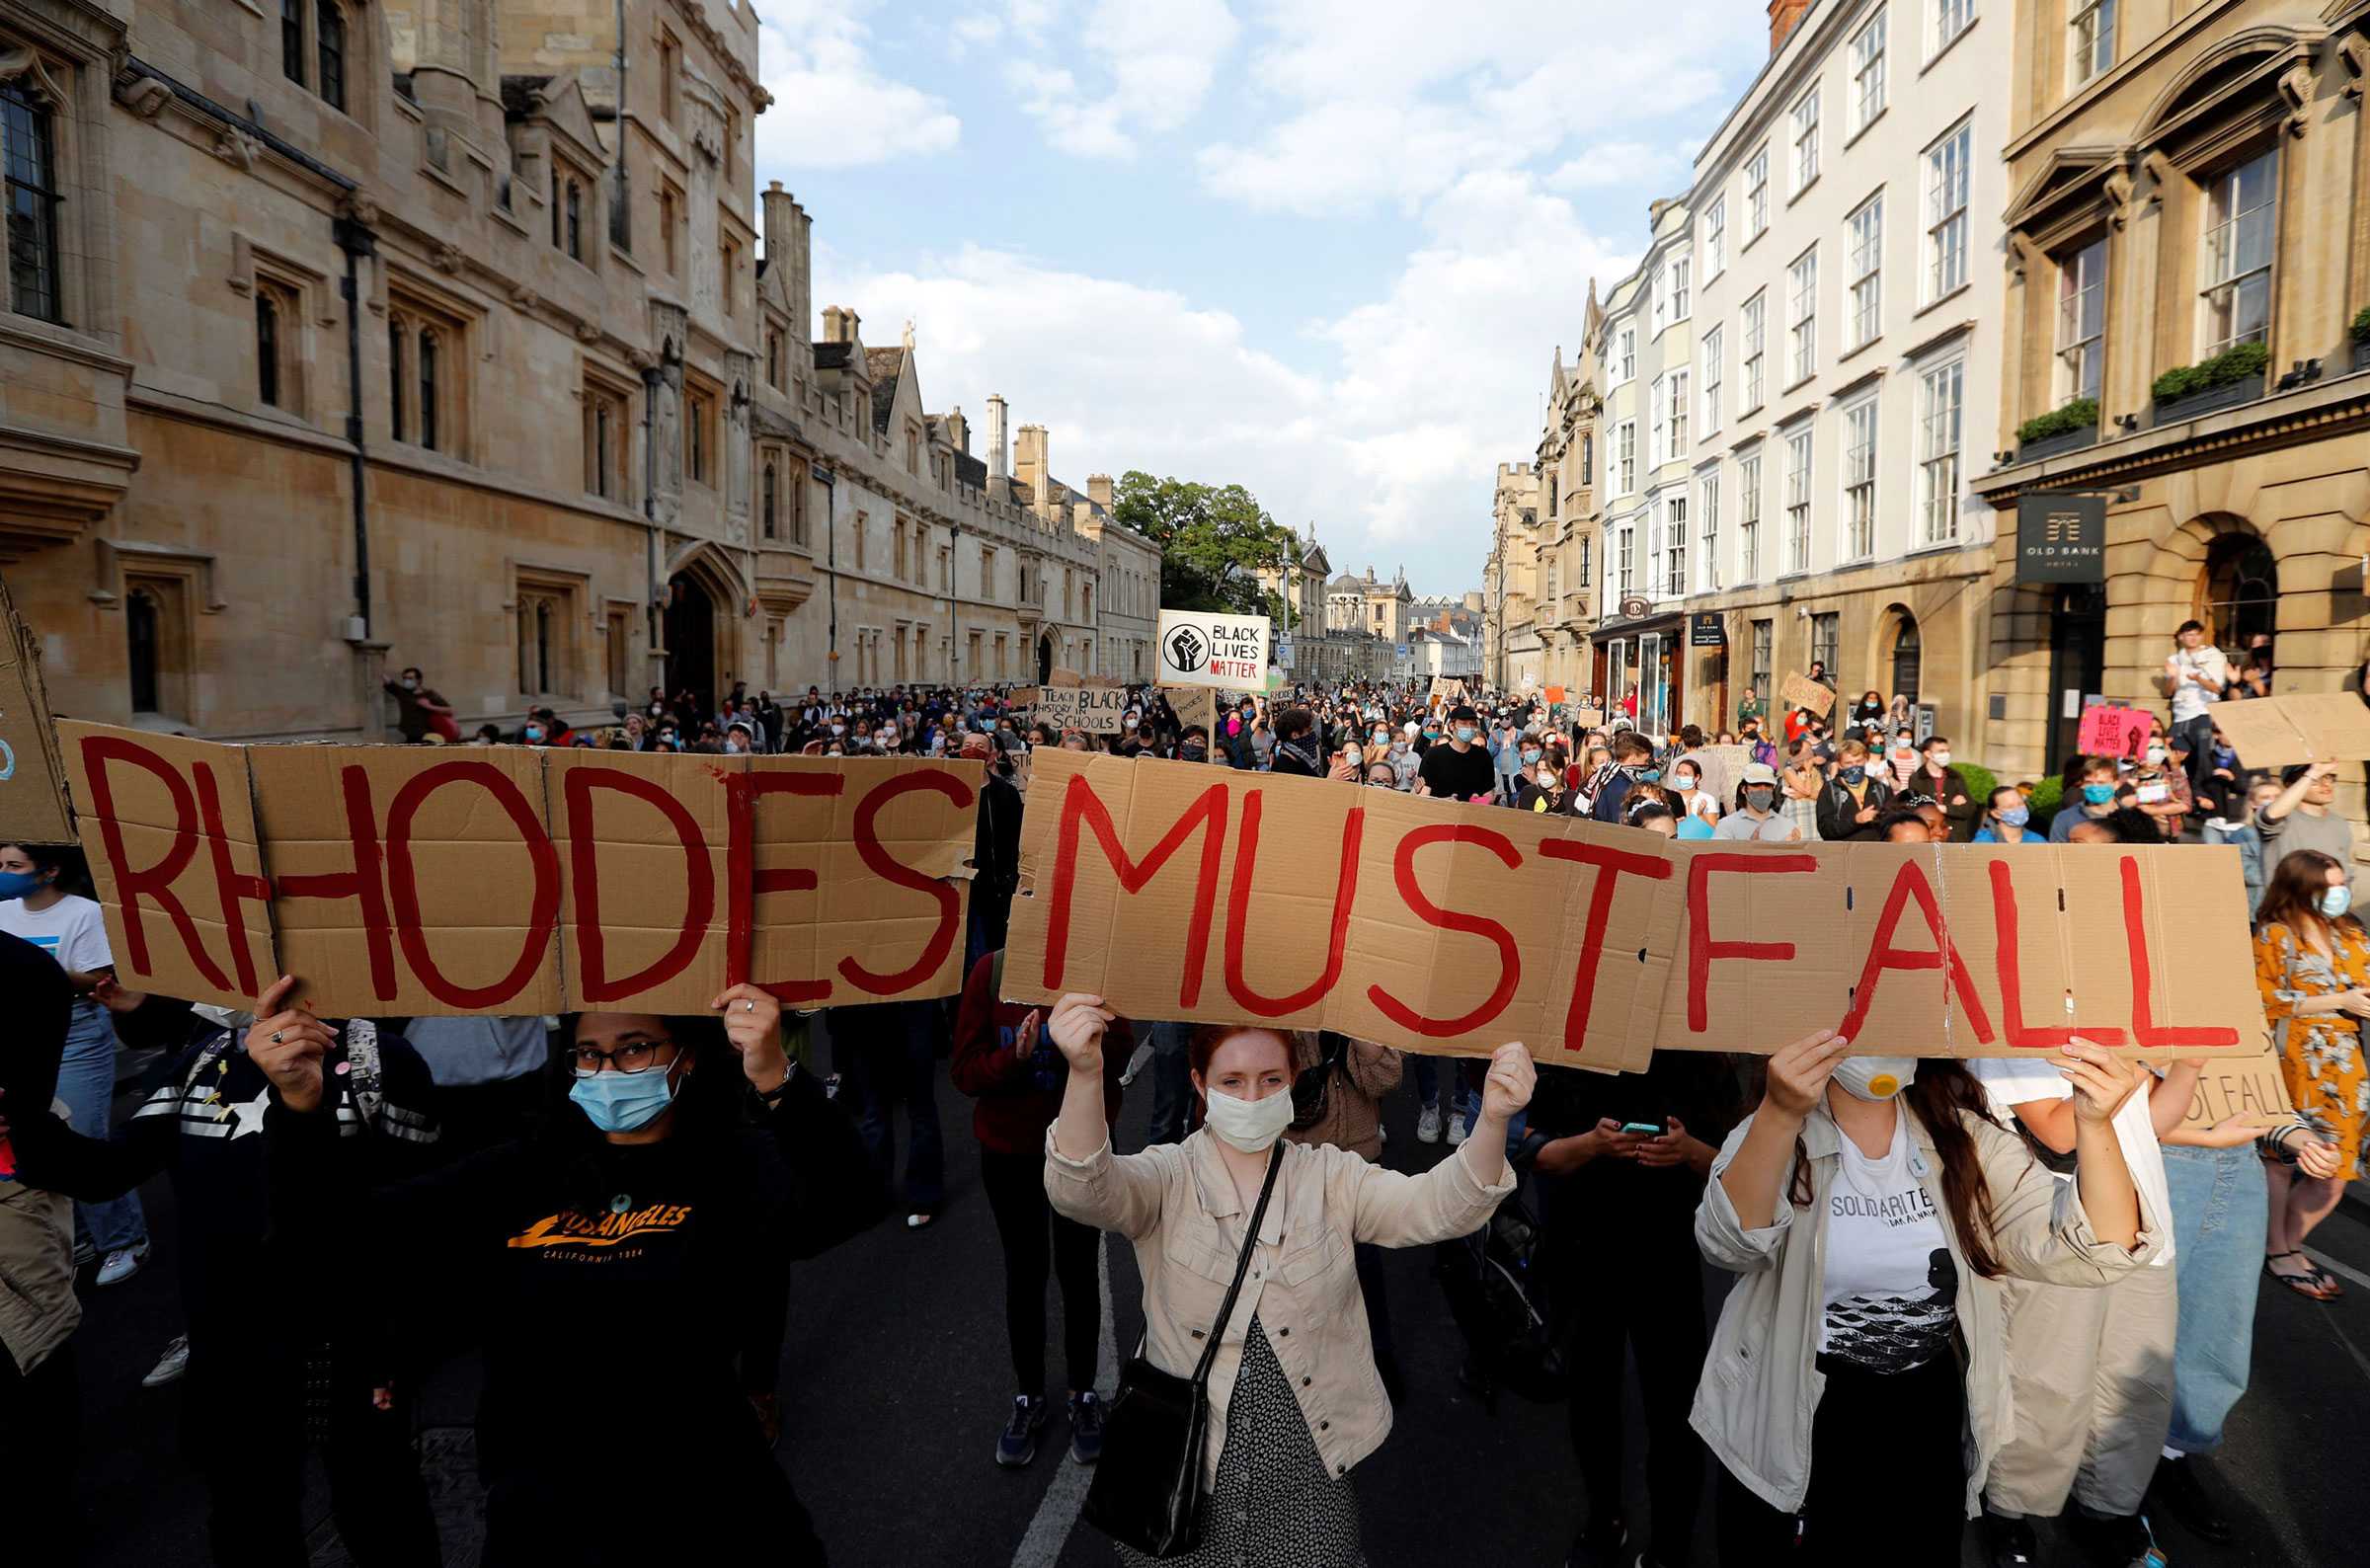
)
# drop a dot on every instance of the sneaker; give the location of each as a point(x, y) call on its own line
point(2115, 1540)
point(921, 1219)
point(1018, 1444)
point(121, 1264)
point(2179, 1489)
point(2008, 1542)
point(1455, 1129)
point(1427, 1126)
point(170, 1366)
point(1602, 1545)
point(1086, 1426)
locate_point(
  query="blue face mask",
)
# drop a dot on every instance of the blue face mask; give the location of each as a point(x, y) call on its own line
point(2336, 901)
point(1468, 734)
point(2015, 816)
point(2097, 794)
point(1855, 773)
point(1651, 775)
point(16, 885)
point(623, 1102)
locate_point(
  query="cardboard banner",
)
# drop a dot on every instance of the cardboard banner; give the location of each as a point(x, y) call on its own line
point(1590, 718)
point(1449, 928)
point(1195, 705)
point(2252, 1090)
point(32, 788)
point(407, 880)
point(2275, 731)
point(1801, 692)
point(1097, 710)
point(2110, 730)
point(1214, 648)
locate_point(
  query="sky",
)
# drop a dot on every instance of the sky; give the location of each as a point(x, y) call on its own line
point(1322, 248)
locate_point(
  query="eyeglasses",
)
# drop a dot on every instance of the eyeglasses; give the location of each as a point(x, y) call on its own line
point(635, 1055)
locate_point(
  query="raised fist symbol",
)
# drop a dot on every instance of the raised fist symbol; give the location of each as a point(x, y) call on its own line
point(1185, 649)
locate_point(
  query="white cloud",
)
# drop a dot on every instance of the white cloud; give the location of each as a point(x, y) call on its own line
point(1159, 57)
point(832, 108)
point(1619, 164)
point(1390, 448)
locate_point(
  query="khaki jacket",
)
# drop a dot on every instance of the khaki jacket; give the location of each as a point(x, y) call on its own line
point(1178, 1205)
point(1759, 1388)
point(37, 1307)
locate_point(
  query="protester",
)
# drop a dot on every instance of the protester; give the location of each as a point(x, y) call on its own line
point(1460, 771)
point(419, 709)
point(1295, 1397)
point(1689, 799)
point(1803, 781)
point(2247, 838)
point(1632, 765)
point(2161, 789)
point(1942, 784)
point(2004, 820)
point(1757, 818)
point(1337, 1090)
point(2311, 963)
point(2090, 801)
point(2303, 816)
point(38, 905)
point(1913, 1206)
point(1852, 801)
point(720, 1172)
point(1004, 1061)
point(2195, 677)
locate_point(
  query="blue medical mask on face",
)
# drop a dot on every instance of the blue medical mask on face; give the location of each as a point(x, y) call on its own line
point(18, 885)
point(1468, 734)
point(2015, 816)
point(1651, 775)
point(1855, 773)
point(534, 731)
point(1530, 754)
point(2335, 902)
point(2097, 794)
point(623, 1102)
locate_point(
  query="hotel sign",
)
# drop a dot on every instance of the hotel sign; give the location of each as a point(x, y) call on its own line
point(2061, 538)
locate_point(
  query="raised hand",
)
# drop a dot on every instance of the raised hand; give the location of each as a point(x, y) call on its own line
point(288, 1043)
point(753, 1022)
point(2101, 1080)
point(1077, 1025)
point(1798, 1072)
point(1512, 1078)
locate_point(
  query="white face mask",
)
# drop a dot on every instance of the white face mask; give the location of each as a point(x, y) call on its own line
point(1942, 759)
point(1876, 1077)
point(1251, 1125)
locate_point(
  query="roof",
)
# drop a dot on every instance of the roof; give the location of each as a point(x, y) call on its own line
point(972, 471)
point(883, 366)
point(830, 356)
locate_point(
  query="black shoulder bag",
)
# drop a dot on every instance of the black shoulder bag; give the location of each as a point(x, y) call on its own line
point(1148, 1486)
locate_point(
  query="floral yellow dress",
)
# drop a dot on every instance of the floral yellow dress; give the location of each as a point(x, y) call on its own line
point(2319, 1054)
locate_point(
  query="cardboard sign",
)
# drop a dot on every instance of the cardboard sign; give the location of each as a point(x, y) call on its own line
point(2252, 1090)
point(511, 880)
point(1554, 693)
point(1590, 718)
point(1058, 676)
point(1447, 691)
point(1214, 648)
point(1194, 705)
point(2111, 731)
point(1801, 692)
point(1724, 769)
point(2275, 731)
point(1450, 928)
point(32, 794)
point(1097, 710)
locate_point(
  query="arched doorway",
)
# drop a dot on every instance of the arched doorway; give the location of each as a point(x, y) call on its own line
point(2238, 592)
point(1044, 659)
point(1904, 660)
point(691, 640)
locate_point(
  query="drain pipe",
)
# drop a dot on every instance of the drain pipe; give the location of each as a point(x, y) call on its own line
point(356, 242)
point(652, 623)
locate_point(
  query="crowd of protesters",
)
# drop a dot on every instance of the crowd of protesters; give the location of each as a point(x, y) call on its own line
point(1991, 1291)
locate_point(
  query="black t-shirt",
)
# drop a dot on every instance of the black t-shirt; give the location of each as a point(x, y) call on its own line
point(1699, 1088)
point(1460, 774)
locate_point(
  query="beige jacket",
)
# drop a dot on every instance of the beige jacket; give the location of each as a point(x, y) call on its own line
point(1759, 1387)
point(37, 1307)
point(1178, 1205)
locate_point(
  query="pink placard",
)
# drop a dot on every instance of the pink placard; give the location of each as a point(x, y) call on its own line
point(2111, 731)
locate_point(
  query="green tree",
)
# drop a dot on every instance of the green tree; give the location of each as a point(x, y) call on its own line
point(1213, 542)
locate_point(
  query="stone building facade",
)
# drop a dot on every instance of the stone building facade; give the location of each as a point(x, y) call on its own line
point(348, 335)
point(1510, 636)
point(2191, 181)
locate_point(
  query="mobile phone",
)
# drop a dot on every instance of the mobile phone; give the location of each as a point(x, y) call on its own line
point(1649, 1128)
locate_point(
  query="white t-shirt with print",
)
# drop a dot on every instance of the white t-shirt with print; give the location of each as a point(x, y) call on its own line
point(1891, 1290)
point(71, 932)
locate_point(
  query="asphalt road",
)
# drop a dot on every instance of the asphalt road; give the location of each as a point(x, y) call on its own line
point(895, 1382)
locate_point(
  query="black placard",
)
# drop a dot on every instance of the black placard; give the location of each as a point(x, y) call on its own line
point(1706, 629)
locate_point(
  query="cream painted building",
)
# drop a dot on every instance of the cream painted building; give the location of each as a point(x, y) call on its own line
point(354, 335)
point(1510, 637)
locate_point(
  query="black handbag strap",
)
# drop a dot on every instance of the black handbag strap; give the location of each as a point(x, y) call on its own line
point(1243, 1266)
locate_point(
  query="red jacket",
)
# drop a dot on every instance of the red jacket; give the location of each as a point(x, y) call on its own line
point(1015, 1107)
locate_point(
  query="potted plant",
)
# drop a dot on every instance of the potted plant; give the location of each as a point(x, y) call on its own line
point(2360, 332)
point(2061, 429)
point(2229, 378)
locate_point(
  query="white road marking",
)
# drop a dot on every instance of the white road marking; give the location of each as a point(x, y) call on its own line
point(1058, 1511)
point(2338, 1269)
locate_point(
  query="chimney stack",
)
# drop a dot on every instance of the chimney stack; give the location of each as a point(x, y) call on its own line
point(1000, 481)
point(958, 429)
point(1783, 14)
point(838, 323)
point(778, 205)
point(1098, 486)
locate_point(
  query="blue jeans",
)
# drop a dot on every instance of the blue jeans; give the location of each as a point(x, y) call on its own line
point(889, 1051)
point(1172, 1082)
point(2219, 1220)
point(1428, 1072)
point(86, 1082)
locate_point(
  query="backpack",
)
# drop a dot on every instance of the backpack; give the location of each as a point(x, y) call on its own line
point(1495, 1280)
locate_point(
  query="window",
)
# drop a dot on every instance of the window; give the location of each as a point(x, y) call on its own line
point(1864, 263)
point(157, 636)
point(606, 437)
point(862, 528)
point(1748, 516)
point(397, 335)
point(576, 221)
point(1803, 133)
point(431, 392)
point(727, 268)
point(1678, 416)
point(670, 65)
point(773, 359)
point(1823, 630)
point(1707, 529)
point(2081, 320)
point(1674, 547)
point(267, 346)
point(1658, 444)
point(1802, 316)
point(896, 548)
point(1951, 19)
point(1756, 336)
point(1797, 500)
point(1680, 269)
point(1946, 212)
point(1625, 457)
point(1715, 239)
point(546, 620)
point(767, 501)
point(621, 209)
point(329, 49)
point(291, 40)
point(666, 227)
point(700, 408)
point(1712, 351)
point(1860, 480)
point(1625, 358)
point(1756, 195)
point(1624, 561)
point(1939, 395)
point(1585, 542)
point(2240, 205)
point(1868, 73)
point(2091, 48)
point(28, 159)
point(1765, 647)
point(617, 643)
point(1588, 458)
